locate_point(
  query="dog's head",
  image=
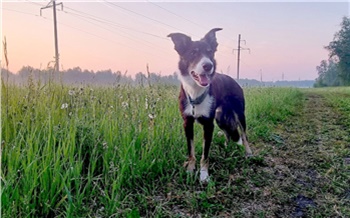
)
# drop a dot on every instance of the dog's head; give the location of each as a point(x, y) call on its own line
point(197, 57)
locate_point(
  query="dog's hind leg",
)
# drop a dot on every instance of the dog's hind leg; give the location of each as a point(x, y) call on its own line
point(227, 124)
point(221, 121)
point(248, 151)
point(240, 120)
point(231, 135)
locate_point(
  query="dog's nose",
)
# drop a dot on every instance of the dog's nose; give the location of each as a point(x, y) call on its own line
point(207, 66)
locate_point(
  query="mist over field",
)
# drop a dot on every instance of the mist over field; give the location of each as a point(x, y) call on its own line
point(108, 77)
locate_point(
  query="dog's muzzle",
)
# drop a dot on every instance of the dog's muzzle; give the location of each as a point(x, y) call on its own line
point(205, 69)
point(202, 79)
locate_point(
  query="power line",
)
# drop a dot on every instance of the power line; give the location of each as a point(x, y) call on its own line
point(95, 20)
point(89, 33)
point(110, 23)
point(34, 3)
point(128, 10)
point(144, 16)
point(175, 14)
point(83, 17)
point(21, 12)
point(46, 18)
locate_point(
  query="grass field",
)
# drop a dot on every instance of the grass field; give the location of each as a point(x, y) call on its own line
point(118, 152)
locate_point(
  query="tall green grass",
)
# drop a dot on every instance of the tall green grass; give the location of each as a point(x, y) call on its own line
point(103, 151)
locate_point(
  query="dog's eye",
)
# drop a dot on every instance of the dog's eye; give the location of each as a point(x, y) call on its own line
point(209, 50)
point(194, 52)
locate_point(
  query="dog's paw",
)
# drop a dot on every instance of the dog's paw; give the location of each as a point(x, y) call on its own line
point(204, 176)
point(190, 166)
point(249, 155)
point(240, 141)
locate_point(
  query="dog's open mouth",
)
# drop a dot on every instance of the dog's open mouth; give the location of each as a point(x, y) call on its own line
point(202, 79)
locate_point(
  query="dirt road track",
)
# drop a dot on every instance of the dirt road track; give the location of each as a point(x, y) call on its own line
point(309, 164)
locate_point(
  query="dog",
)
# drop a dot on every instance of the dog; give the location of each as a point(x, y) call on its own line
point(206, 95)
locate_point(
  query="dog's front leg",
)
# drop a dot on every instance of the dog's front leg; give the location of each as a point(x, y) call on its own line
point(208, 127)
point(188, 126)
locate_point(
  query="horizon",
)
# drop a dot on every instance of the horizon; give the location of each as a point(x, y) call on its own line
point(124, 36)
point(126, 76)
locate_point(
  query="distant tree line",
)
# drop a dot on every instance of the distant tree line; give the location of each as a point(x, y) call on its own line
point(77, 76)
point(336, 70)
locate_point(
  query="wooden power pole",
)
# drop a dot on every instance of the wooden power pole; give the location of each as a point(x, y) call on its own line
point(53, 5)
point(239, 53)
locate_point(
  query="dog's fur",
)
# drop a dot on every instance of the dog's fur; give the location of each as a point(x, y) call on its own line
point(206, 95)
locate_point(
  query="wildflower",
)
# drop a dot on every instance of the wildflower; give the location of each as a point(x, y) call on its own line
point(71, 92)
point(125, 104)
point(64, 106)
point(146, 104)
point(151, 116)
point(104, 145)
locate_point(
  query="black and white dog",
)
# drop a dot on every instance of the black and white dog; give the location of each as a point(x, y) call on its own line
point(206, 95)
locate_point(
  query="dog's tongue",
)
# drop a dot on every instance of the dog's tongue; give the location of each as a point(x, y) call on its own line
point(204, 81)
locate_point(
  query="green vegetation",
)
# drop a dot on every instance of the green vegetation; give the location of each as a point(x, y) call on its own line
point(118, 151)
point(336, 70)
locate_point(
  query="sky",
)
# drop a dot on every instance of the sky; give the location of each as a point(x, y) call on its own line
point(285, 39)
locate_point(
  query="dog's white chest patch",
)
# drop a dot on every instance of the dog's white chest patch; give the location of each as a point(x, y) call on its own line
point(202, 109)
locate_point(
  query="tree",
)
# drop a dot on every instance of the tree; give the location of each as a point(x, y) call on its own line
point(328, 74)
point(339, 49)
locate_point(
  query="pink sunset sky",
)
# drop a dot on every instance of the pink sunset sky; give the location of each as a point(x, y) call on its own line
point(283, 37)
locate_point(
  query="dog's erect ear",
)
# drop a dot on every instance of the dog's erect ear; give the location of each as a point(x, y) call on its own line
point(210, 38)
point(181, 42)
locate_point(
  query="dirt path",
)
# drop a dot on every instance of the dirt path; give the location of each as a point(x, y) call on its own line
point(309, 164)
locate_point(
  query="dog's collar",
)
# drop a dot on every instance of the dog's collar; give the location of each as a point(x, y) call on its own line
point(199, 99)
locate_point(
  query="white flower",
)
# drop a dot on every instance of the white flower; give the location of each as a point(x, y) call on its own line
point(146, 104)
point(151, 116)
point(104, 145)
point(64, 106)
point(71, 92)
point(125, 104)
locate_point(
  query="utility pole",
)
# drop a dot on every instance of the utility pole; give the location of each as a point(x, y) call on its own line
point(53, 4)
point(239, 53)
